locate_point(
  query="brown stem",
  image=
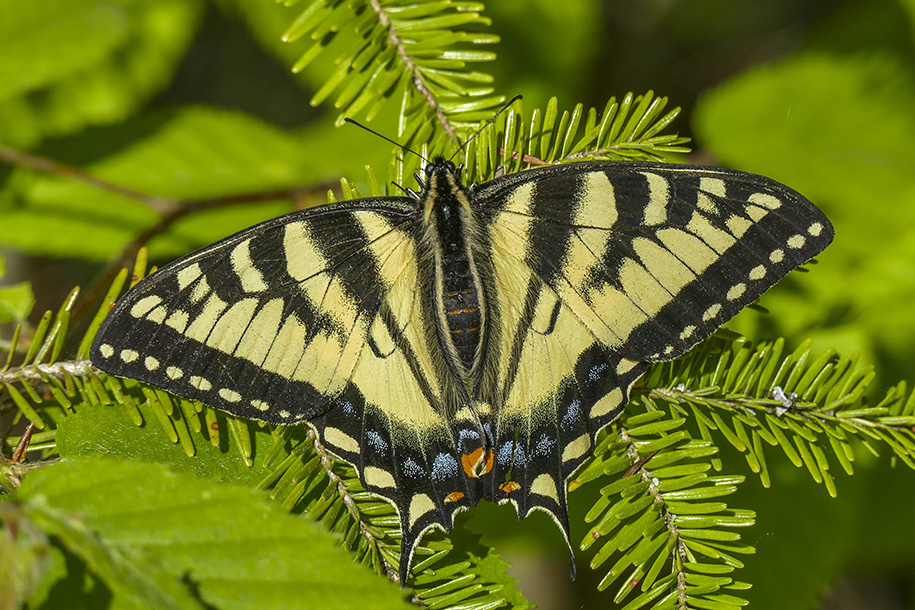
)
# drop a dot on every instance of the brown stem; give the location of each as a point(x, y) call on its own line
point(163, 205)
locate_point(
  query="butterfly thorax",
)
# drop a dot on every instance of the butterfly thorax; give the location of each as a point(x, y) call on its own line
point(458, 295)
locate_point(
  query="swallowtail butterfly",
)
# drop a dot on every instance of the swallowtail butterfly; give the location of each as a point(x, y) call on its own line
point(468, 342)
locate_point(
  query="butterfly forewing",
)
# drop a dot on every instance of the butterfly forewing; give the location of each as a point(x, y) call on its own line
point(583, 274)
point(257, 324)
point(654, 257)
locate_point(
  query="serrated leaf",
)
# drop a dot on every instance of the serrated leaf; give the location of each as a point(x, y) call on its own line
point(134, 578)
point(225, 545)
point(490, 568)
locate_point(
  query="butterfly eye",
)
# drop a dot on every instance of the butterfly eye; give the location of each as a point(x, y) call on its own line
point(430, 168)
point(449, 166)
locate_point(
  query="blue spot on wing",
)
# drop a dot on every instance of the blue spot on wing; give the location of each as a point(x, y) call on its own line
point(467, 433)
point(376, 441)
point(544, 445)
point(412, 469)
point(511, 454)
point(348, 408)
point(572, 415)
point(444, 467)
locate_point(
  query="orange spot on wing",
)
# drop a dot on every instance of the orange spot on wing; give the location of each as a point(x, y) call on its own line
point(510, 486)
point(470, 461)
point(454, 496)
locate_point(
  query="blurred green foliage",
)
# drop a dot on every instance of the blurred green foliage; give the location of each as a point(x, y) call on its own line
point(194, 100)
point(16, 301)
point(834, 120)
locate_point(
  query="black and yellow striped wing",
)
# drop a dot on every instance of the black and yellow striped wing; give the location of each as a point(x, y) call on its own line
point(601, 268)
point(466, 343)
point(320, 316)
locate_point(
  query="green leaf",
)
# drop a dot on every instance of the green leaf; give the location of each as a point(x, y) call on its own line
point(110, 431)
point(139, 580)
point(45, 40)
point(71, 63)
point(19, 563)
point(194, 542)
point(16, 301)
point(490, 569)
point(838, 129)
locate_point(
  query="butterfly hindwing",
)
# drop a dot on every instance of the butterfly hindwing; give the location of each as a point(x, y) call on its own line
point(559, 388)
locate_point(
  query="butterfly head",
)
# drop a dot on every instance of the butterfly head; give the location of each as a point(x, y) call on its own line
point(444, 195)
point(440, 164)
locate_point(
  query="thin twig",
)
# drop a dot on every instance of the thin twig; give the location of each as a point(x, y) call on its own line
point(525, 158)
point(39, 373)
point(162, 205)
point(804, 411)
point(22, 446)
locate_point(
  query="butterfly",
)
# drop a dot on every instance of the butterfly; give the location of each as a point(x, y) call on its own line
point(466, 342)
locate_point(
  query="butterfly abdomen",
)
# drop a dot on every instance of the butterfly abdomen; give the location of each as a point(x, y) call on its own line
point(461, 306)
point(459, 294)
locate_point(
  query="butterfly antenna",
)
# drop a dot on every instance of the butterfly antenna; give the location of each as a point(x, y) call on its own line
point(383, 137)
point(494, 117)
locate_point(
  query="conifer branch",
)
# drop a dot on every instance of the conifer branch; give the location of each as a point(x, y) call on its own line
point(412, 70)
point(643, 473)
point(39, 374)
point(328, 463)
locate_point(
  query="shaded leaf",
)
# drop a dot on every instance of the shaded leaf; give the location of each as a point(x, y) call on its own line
point(109, 431)
point(189, 154)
